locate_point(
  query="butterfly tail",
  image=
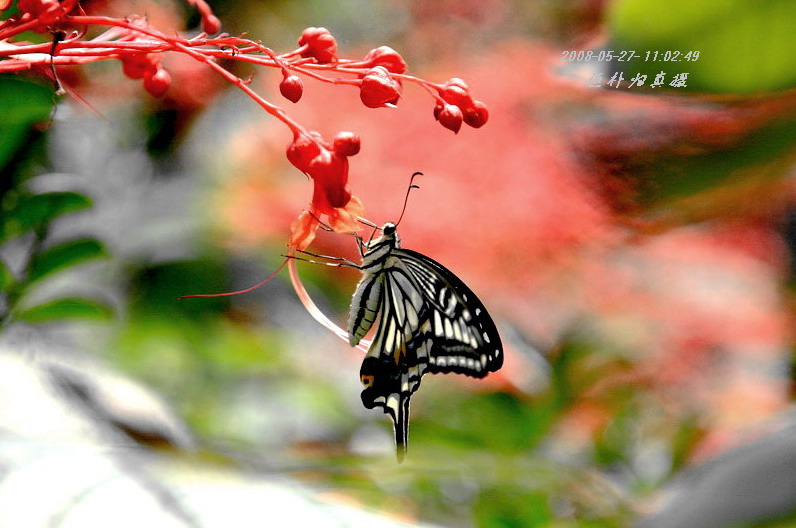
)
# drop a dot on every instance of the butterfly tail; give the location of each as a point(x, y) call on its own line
point(398, 409)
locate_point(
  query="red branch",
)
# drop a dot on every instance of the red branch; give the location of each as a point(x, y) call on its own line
point(379, 77)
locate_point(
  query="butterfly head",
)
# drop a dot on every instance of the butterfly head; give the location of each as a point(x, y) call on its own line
point(390, 234)
point(387, 241)
point(389, 229)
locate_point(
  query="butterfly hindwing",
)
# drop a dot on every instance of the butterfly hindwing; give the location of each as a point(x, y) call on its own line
point(384, 387)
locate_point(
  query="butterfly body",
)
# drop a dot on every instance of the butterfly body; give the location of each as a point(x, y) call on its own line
point(427, 320)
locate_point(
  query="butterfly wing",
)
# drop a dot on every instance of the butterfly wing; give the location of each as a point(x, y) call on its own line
point(463, 335)
point(429, 320)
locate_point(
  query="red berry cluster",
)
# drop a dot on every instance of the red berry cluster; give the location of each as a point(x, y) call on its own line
point(457, 105)
point(327, 165)
point(146, 66)
point(379, 76)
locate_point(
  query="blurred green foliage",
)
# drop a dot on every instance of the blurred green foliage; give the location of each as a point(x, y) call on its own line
point(762, 155)
point(744, 47)
point(25, 104)
point(24, 212)
point(27, 216)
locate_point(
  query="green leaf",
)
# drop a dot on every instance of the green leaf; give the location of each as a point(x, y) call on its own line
point(744, 47)
point(6, 278)
point(22, 213)
point(63, 256)
point(67, 308)
point(22, 104)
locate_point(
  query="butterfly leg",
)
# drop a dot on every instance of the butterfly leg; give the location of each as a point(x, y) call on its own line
point(348, 264)
point(327, 257)
point(360, 243)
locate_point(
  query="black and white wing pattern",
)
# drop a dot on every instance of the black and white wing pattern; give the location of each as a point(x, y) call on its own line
point(428, 321)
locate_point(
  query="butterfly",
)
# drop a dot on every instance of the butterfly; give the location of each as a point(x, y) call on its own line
point(429, 321)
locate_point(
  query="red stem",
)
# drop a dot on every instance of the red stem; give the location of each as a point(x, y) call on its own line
point(237, 81)
point(6, 34)
point(78, 52)
point(184, 46)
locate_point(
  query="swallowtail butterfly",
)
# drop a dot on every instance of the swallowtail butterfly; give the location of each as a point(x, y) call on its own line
point(428, 321)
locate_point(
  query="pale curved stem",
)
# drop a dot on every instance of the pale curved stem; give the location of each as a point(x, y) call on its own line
point(310, 306)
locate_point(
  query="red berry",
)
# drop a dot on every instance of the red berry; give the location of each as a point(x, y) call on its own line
point(158, 83)
point(320, 44)
point(51, 12)
point(451, 117)
point(303, 150)
point(346, 144)
point(477, 115)
point(379, 89)
point(29, 6)
point(46, 11)
point(387, 57)
point(455, 81)
point(456, 95)
point(38, 8)
point(291, 88)
point(211, 24)
point(437, 109)
point(138, 65)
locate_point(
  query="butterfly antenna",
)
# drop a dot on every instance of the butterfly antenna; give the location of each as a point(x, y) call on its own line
point(408, 190)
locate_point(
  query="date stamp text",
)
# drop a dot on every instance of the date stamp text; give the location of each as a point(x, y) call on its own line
point(629, 55)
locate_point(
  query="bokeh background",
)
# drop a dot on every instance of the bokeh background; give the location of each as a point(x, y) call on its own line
point(634, 246)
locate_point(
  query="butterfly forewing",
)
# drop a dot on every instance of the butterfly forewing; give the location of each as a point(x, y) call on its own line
point(428, 321)
point(464, 337)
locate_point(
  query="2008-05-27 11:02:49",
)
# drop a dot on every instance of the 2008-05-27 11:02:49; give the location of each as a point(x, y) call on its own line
point(628, 55)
